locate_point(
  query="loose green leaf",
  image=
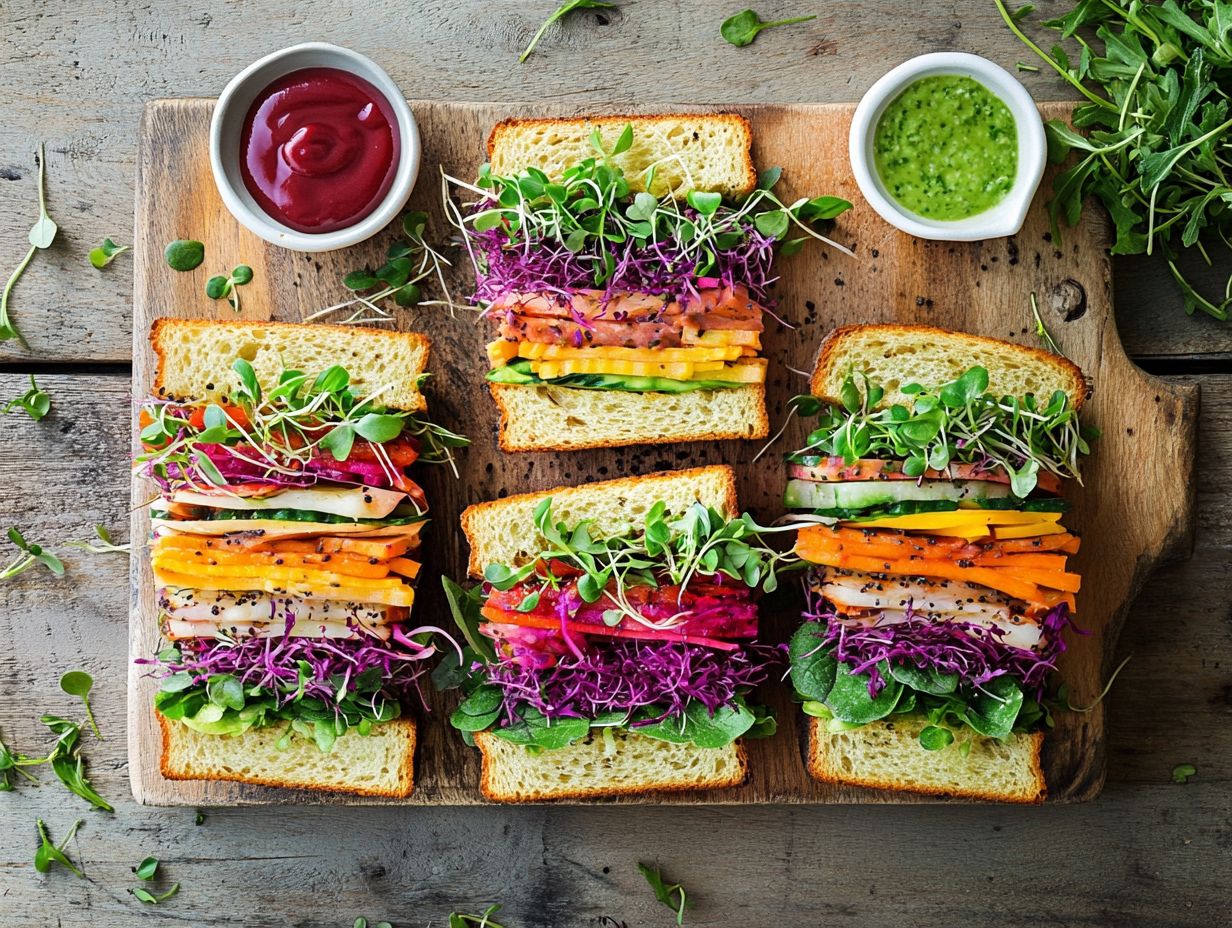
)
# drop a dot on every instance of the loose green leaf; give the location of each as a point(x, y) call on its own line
point(184, 254)
point(34, 401)
point(147, 869)
point(49, 853)
point(671, 895)
point(742, 28)
point(78, 683)
point(107, 252)
point(1182, 772)
point(149, 898)
point(569, 6)
point(41, 235)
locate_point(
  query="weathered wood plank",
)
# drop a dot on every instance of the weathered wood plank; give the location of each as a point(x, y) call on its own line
point(77, 75)
point(1147, 852)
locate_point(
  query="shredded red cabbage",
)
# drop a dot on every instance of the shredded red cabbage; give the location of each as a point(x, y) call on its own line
point(625, 675)
point(975, 653)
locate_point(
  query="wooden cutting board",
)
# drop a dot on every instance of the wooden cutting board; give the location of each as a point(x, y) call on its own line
point(1135, 509)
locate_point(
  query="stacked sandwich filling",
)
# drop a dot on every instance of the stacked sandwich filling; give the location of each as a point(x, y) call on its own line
point(940, 584)
point(285, 545)
point(651, 632)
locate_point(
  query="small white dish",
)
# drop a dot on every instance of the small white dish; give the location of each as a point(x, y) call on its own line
point(1006, 217)
point(227, 126)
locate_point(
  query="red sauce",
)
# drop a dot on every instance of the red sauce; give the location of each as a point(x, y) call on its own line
point(320, 149)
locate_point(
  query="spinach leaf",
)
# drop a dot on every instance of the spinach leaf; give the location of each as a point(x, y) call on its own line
point(850, 701)
point(813, 667)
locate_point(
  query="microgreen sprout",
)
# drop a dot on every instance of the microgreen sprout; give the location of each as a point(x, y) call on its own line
point(31, 554)
point(11, 763)
point(78, 683)
point(42, 234)
point(34, 401)
point(147, 869)
point(741, 29)
point(282, 430)
point(101, 543)
point(49, 853)
point(463, 920)
point(560, 13)
point(1182, 772)
point(960, 422)
point(671, 895)
point(409, 264)
point(68, 764)
point(149, 898)
point(1041, 330)
point(219, 287)
point(184, 254)
point(107, 252)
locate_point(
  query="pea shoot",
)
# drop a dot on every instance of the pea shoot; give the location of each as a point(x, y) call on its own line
point(569, 6)
point(49, 853)
point(741, 29)
point(78, 683)
point(102, 543)
point(68, 764)
point(107, 252)
point(42, 234)
point(31, 554)
point(35, 402)
point(219, 287)
point(671, 895)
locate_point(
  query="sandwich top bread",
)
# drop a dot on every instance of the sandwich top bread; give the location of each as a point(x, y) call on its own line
point(939, 590)
point(612, 637)
point(626, 265)
point(285, 544)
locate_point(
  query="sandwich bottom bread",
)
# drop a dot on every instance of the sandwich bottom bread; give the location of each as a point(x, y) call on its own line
point(939, 592)
point(611, 642)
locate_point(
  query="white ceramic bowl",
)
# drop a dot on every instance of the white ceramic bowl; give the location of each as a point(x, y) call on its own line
point(226, 130)
point(1006, 217)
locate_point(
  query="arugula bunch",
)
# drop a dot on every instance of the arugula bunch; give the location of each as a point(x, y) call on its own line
point(960, 422)
point(1157, 80)
point(286, 427)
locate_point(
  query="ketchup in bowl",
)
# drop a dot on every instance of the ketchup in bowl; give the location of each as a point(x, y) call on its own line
point(319, 149)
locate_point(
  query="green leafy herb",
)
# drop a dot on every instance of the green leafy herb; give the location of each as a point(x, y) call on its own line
point(1156, 81)
point(199, 818)
point(959, 422)
point(184, 254)
point(462, 920)
point(68, 764)
point(34, 401)
point(1041, 330)
point(149, 898)
point(1182, 772)
point(105, 253)
point(569, 6)
point(78, 683)
point(31, 554)
point(740, 30)
point(147, 869)
point(671, 895)
point(42, 234)
point(49, 853)
point(217, 288)
point(101, 543)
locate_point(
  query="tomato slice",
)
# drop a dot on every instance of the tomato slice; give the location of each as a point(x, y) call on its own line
point(196, 419)
point(837, 470)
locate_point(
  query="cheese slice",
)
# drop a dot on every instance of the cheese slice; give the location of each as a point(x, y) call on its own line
point(534, 351)
point(348, 502)
point(402, 596)
point(962, 518)
point(177, 629)
point(278, 528)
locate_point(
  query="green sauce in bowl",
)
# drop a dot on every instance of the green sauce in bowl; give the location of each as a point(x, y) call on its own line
point(946, 148)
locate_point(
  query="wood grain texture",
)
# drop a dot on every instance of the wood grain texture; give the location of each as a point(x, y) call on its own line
point(978, 287)
point(1146, 854)
point(77, 73)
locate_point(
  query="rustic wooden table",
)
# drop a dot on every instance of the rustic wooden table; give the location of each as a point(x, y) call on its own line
point(1148, 852)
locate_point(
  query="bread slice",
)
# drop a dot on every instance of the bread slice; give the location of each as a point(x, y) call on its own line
point(503, 531)
point(379, 764)
point(895, 355)
point(887, 755)
point(694, 151)
point(549, 418)
point(591, 767)
point(195, 357)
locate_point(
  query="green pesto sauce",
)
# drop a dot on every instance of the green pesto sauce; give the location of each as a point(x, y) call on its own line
point(946, 148)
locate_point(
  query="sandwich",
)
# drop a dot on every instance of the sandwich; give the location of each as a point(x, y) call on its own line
point(939, 587)
point(611, 641)
point(285, 539)
point(626, 265)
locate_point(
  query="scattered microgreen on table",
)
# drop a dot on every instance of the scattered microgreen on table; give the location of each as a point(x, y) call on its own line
point(1157, 80)
point(671, 895)
point(78, 683)
point(149, 898)
point(184, 254)
point(31, 554)
point(34, 401)
point(107, 252)
point(68, 764)
point(463, 920)
point(42, 234)
point(219, 287)
point(1182, 772)
point(569, 6)
point(49, 853)
point(742, 28)
point(101, 544)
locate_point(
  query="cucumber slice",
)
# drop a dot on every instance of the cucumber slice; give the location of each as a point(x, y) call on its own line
point(868, 494)
point(519, 373)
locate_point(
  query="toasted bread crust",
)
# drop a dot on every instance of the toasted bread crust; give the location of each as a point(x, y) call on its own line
point(760, 430)
point(167, 322)
point(406, 775)
point(483, 738)
point(834, 343)
point(730, 504)
point(735, 119)
point(819, 771)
